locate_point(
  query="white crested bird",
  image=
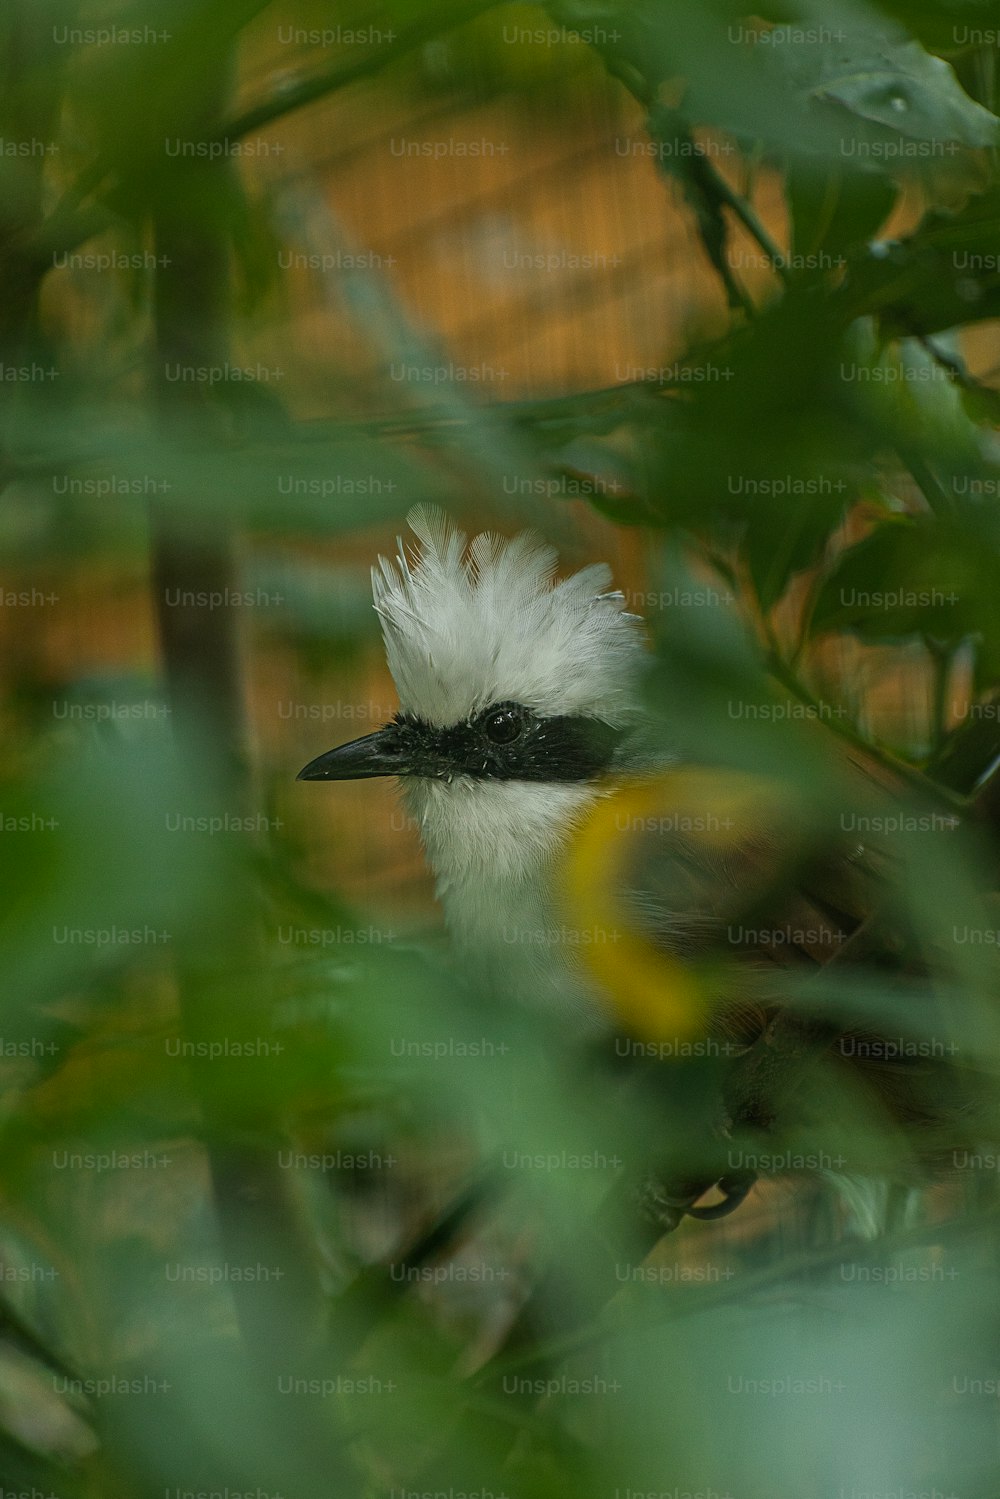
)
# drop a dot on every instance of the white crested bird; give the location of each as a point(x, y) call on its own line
point(519, 730)
point(517, 700)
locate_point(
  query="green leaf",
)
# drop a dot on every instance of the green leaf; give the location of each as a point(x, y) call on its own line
point(833, 211)
point(945, 274)
point(787, 534)
point(891, 81)
point(909, 577)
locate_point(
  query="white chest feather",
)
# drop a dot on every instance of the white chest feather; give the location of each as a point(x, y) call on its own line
point(493, 847)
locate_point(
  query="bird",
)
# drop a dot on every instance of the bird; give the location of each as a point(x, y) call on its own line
point(517, 702)
point(520, 735)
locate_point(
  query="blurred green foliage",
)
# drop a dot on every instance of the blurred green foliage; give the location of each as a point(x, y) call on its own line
point(247, 1243)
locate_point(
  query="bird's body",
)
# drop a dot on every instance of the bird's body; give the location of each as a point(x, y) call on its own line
point(519, 716)
point(519, 722)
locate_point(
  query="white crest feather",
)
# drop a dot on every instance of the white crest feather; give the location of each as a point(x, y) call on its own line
point(466, 625)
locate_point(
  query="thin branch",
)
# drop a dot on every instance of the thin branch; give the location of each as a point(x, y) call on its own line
point(319, 85)
point(66, 226)
point(641, 1318)
point(751, 223)
point(792, 682)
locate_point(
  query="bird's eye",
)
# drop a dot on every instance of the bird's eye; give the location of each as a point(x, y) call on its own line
point(503, 725)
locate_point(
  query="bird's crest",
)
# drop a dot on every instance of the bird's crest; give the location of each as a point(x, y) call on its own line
point(469, 624)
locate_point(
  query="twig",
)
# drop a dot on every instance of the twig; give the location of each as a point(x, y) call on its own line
point(614, 1325)
point(441, 18)
point(789, 679)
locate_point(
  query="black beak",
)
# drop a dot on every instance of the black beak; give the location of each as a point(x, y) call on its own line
point(380, 754)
